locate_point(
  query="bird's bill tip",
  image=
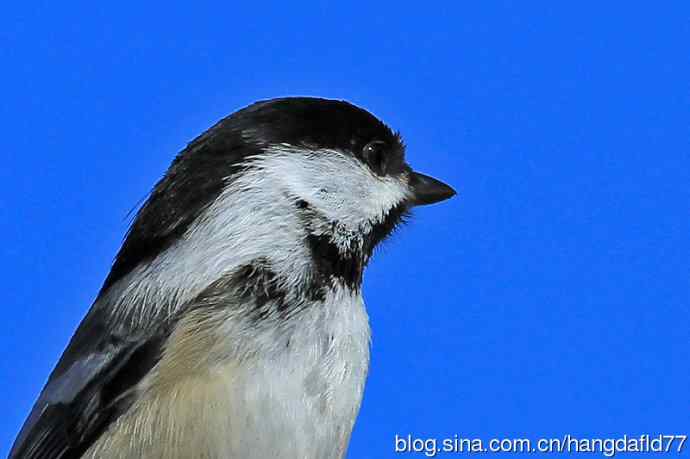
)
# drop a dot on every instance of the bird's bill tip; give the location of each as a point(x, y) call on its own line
point(428, 190)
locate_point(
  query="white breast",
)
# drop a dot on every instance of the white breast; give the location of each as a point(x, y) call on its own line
point(302, 402)
point(298, 400)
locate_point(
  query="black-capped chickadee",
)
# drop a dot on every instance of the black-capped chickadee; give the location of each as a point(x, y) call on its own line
point(232, 324)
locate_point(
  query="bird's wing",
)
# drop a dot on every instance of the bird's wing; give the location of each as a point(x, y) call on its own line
point(90, 387)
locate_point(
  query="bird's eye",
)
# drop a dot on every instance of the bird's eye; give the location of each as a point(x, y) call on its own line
point(374, 154)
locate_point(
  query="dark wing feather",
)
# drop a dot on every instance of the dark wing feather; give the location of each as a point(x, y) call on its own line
point(90, 387)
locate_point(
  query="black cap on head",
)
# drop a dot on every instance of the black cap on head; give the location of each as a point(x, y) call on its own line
point(321, 124)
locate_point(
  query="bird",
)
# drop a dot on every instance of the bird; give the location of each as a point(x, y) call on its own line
point(231, 323)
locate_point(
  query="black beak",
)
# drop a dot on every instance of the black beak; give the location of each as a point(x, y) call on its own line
point(428, 190)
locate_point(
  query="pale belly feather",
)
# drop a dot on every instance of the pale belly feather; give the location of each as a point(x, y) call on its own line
point(297, 402)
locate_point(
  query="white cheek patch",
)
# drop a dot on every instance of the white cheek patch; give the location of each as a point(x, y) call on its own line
point(338, 185)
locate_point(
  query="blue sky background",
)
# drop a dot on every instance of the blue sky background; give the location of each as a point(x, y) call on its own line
point(551, 297)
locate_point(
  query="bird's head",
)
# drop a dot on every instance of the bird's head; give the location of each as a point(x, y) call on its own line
point(290, 181)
